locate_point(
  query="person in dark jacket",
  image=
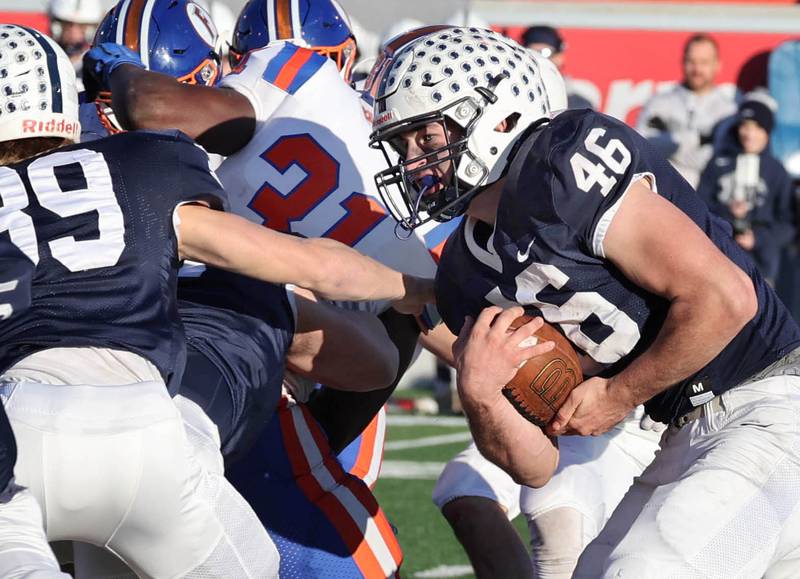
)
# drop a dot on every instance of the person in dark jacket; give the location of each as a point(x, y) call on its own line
point(746, 185)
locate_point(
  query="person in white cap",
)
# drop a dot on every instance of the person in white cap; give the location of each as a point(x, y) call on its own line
point(72, 26)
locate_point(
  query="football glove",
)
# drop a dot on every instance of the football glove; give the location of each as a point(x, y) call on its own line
point(101, 61)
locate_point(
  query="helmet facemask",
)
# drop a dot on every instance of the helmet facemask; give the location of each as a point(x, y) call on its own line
point(344, 55)
point(207, 73)
point(408, 187)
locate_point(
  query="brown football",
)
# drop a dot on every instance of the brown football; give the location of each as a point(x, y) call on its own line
point(543, 383)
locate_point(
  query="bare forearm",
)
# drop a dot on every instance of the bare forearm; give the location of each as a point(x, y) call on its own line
point(511, 442)
point(348, 350)
point(344, 415)
point(439, 342)
point(140, 98)
point(349, 275)
point(330, 269)
point(221, 120)
point(710, 297)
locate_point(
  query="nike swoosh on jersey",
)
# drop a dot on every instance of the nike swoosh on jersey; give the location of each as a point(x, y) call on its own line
point(522, 257)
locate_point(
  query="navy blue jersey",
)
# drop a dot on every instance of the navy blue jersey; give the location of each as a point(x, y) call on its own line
point(546, 254)
point(97, 219)
point(16, 271)
point(243, 328)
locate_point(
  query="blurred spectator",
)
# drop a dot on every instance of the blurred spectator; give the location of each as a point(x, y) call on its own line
point(788, 284)
point(547, 41)
point(746, 185)
point(681, 121)
point(72, 26)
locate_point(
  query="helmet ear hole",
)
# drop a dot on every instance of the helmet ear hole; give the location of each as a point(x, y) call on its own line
point(508, 124)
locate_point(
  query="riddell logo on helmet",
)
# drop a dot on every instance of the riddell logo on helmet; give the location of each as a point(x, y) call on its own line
point(62, 126)
point(384, 118)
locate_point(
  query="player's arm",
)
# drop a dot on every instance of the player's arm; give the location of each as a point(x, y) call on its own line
point(439, 342)
point(660, 249)
point(330, 269)
point(487, 357)
point(344, 415)
point(221, 120)
point(347, 350)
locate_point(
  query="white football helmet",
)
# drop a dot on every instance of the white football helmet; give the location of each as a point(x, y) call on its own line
point(78, 11)
point(38, 94)
point(472, 78)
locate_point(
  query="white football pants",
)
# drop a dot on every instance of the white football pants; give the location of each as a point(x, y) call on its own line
point(24, 552)
point(720, 500)
point(111, 465)
point(593, 474)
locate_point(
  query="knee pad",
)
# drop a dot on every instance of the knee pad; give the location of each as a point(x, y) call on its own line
point(557, 539)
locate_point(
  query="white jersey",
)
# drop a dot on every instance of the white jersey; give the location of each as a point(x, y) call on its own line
point(308, 169)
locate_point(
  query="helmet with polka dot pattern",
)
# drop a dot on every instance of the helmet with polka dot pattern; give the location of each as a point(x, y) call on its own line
point(471, 80)
point(38, 92)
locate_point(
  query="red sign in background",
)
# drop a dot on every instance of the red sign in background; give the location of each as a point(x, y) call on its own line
point(37, 20)
point(622, 68)
point(627, 66)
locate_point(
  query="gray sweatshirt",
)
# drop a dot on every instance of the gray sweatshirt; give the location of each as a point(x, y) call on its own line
point(680, 124)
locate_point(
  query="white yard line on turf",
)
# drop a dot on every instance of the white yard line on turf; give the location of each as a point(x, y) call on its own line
point(427, 441)
point(409, 469)
point(445, 571)
point(404, 420)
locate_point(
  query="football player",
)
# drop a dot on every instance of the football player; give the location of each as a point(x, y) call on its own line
point(19, 511)
point(183, 53)
point(479, 499)
point(87, 367)
point(241, 334)
point(576, 219)
point(303, 106)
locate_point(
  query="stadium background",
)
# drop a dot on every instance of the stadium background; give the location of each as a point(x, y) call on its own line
point(623, 51)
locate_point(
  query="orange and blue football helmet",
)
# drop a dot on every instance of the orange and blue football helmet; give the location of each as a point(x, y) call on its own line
point(175, 37)
point(321, 25)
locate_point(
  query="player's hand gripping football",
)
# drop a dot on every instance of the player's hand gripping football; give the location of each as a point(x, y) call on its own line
point(592, 408)
point(488, 355)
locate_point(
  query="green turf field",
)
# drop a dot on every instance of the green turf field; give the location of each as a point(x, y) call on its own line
point(415, 454)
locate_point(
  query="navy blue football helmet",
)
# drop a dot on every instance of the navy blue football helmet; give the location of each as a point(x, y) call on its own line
point(175, 37)
point(321, 25)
